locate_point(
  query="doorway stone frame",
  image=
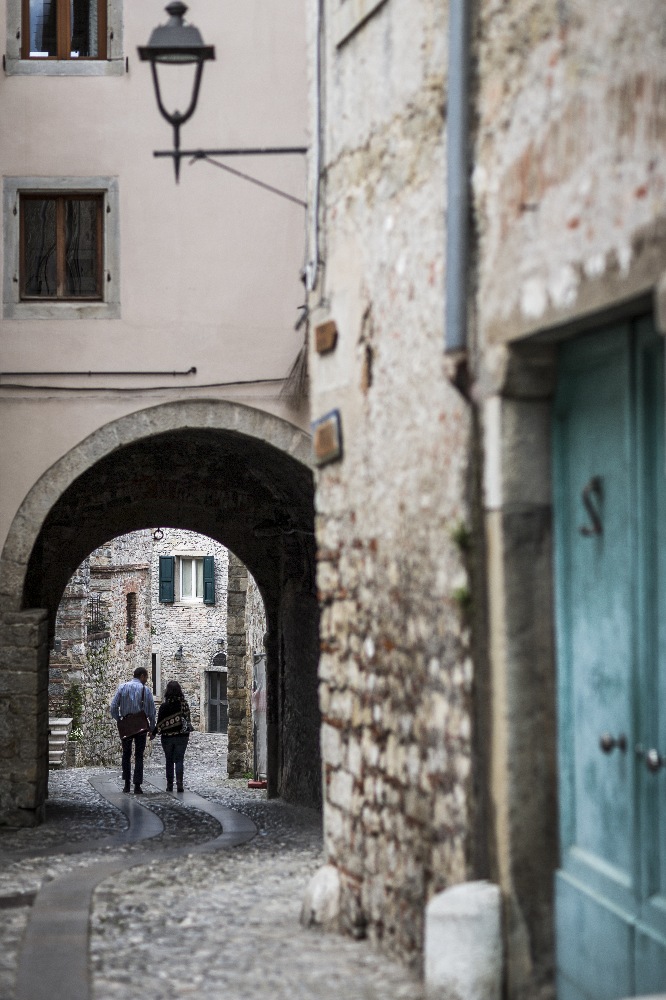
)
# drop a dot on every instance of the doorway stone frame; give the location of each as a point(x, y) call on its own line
point(517, 516)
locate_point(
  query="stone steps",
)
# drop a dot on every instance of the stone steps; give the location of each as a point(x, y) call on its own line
point(59, 730)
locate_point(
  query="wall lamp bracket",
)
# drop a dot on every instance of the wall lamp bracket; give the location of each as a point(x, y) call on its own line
point(193, 155)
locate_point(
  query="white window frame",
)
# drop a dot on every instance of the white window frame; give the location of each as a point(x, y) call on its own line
point(12, 305)
point(193, 559)
point(113, 65)
point(350, 15)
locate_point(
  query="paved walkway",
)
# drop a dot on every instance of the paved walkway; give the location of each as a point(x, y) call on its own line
point(182, 912)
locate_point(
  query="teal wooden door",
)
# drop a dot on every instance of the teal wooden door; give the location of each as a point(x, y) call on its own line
point(610, 565)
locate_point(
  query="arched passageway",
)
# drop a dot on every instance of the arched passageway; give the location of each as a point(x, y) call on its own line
point(237, 475)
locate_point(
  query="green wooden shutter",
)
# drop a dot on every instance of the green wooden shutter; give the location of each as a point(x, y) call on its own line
point(167, 578)
point(209, 580)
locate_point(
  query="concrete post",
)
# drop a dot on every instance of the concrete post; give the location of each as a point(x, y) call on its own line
point(463, 943)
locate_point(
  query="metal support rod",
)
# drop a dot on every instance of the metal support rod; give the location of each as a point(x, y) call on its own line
point(190, 371)
point(198, 154)
point(178, 154)
point(253, 180)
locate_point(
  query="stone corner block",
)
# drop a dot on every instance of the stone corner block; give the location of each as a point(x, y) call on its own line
point(321, 902)
point(463, 943)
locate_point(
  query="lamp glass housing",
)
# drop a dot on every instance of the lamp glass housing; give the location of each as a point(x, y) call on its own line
point(177, 43)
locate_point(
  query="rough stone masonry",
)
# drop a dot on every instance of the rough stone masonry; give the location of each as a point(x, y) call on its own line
point(393, 516)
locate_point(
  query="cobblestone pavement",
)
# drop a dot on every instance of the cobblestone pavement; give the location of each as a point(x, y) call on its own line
point(219, 925)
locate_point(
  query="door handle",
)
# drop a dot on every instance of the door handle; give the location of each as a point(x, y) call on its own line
point(607, 743)
point(653, 759)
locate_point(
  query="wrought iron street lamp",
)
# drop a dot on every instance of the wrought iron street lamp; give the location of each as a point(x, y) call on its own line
point(178, 43)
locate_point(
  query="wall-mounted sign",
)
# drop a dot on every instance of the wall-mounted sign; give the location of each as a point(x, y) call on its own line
point(327, 438)
point(326, 337)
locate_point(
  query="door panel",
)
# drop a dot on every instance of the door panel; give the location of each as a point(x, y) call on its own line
point(595, 613)
point(594, 942)
point(651, 681)
point(611, 640)
point(650, 962)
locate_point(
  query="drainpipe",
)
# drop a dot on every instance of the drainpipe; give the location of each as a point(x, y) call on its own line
point(312, 265)
point(457, 183)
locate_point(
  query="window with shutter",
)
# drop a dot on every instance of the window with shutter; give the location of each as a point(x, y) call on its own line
point(187, 579)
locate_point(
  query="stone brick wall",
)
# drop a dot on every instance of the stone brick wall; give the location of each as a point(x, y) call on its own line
point(118, 569)
point(23, 716)
point(238, 688)
point(97, 661)
point(395, 670)
point(255, 632)
point(255, 619)
point(68, 657)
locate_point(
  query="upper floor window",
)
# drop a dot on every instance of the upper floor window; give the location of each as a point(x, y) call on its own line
point(61, 240)
point(61, 246)
point(63, 29)
point(188, 579)
point(65, 38)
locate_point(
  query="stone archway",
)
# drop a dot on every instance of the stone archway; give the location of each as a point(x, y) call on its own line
point(164, 466)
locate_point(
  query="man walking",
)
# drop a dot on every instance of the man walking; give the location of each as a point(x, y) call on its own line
point(133, 696)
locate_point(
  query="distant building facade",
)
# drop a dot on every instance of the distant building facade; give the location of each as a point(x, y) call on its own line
point(146, 599)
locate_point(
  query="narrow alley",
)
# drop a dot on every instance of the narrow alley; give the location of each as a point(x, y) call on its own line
point(175, 918)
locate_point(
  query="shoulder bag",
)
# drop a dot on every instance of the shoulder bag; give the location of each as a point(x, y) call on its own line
point(135, 722)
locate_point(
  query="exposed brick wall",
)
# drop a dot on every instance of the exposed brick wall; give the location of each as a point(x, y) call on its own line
point(67, 659)
point(23, 717)
point(238, 689)
point(396, 676)
point(129, 564)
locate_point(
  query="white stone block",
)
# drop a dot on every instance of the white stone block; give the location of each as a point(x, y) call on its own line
point(463, 943)
point(340, 789)
point(321, 903)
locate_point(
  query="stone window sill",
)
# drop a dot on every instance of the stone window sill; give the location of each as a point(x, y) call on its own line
point(64, 67)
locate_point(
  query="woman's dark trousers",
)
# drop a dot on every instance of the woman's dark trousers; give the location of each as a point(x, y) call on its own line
point(174, 751)
point(139, 742)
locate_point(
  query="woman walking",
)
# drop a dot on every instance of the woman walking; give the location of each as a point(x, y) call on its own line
point(174, 728)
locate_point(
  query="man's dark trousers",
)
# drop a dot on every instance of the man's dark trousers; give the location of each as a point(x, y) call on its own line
point(139, 741)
